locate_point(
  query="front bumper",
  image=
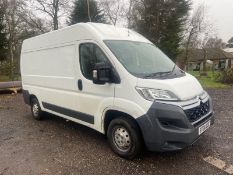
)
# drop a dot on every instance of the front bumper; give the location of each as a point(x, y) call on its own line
point(166, 127)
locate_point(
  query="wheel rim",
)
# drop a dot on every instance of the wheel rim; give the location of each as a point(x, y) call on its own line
point(122, 139)
point(35, 109)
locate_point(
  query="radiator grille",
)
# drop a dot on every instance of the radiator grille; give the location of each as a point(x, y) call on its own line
point(196, 113)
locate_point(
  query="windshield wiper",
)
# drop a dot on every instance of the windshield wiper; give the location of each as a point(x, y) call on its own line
point(156, 74)
point(160, 73)
point(173, 68)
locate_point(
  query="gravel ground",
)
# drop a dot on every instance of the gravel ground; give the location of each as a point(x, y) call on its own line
point(55, 146)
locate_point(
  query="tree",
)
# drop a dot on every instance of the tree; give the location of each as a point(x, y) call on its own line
point(3, 35)
point(162, 22)
point(215, 42)
point(148, 19)
point(230, 41)
point(176, 13)
point(12, 21)
point(113, 9)
point(130, 12)
point(86, 11)
point(32, 23)
point(17, 26)
point(53, 8)
point(119, 11)
point(197, 26)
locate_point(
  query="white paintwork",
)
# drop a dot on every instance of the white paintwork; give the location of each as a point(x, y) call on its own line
point(185, 88)
point(229, 50)
point(50, 70)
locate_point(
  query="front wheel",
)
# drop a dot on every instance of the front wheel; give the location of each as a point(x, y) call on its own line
point(125, 138)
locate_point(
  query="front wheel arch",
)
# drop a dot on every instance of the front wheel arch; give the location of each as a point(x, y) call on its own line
point(113, 114)
point(31, 97)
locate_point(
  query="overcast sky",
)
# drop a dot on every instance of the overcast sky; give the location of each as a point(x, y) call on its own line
point(220, 13)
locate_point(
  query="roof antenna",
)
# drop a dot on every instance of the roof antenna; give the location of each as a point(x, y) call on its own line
point(128, 32)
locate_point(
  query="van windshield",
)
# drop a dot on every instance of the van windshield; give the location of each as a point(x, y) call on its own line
point(143, 60)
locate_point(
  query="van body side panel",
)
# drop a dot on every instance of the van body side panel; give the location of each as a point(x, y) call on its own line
point(56, 38)
point(49, 75)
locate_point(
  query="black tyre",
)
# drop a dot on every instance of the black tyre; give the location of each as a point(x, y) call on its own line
point(125, 138)
point(37, 113)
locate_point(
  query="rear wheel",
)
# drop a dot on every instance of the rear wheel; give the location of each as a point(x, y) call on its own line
point(37, 113)
point(125, 138)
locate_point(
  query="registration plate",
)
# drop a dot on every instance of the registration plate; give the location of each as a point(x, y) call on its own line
point(203, 128)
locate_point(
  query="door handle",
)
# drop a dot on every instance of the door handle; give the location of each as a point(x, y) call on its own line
point(80, 85)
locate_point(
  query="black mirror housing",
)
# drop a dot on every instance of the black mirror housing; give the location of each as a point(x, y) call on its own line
point(102, 73)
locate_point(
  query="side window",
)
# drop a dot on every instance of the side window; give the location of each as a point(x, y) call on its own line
point(87, 59)
point(100, 57)
point(90, 54)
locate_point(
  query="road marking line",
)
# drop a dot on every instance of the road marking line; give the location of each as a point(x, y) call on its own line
point(216, 162)
point(219, 164)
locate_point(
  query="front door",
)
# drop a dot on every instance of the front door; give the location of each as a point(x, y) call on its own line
point(93, 98)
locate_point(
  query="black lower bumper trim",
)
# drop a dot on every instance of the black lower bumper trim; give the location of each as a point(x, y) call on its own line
point(68, 112)
point(166, 127)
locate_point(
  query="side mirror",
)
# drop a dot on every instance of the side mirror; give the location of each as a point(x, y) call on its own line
point(102, 73)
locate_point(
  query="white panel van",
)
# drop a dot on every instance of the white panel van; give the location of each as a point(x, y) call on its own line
point(117, 82)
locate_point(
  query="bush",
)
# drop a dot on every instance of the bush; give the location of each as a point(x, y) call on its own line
point(5, 70)
point(225, 76)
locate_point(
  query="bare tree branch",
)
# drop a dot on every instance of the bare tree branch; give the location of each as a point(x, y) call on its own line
point(114, 9)
point(197, 27)
point(53, 8)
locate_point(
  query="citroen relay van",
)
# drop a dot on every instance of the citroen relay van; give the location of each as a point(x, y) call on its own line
point(117, 82)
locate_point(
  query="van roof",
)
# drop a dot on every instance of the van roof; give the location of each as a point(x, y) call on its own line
point(81, 31)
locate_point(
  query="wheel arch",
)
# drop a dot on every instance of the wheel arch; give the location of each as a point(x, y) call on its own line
point(27, 96)
point(113, 114)
point(31, 97)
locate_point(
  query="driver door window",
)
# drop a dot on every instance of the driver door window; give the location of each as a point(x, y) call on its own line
point(90, 54)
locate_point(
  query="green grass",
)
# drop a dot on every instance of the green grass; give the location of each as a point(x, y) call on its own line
point(208, 81)
point(4, 78)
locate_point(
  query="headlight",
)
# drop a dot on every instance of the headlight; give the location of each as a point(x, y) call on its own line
point(156, 94)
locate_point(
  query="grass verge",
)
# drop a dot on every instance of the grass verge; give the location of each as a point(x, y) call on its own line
point(209, 81)
point(4, 78)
